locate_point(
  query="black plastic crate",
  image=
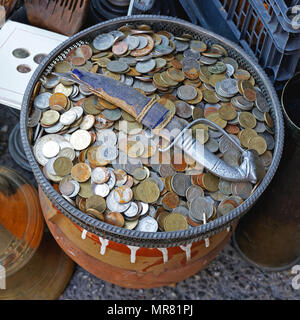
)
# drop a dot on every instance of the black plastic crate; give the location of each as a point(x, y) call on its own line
point(261, 27)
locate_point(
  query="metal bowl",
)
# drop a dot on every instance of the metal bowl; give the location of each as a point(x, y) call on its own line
point(158, 239)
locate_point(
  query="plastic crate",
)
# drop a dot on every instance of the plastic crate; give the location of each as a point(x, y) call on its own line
point(261, 27)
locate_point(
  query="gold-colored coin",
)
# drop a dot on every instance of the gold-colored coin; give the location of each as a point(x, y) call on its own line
point(175, 74)
point(168, 80)
point(259, 144)
point(210, 182)
point(210, 96)
point(268, 119)
point(214, 78)
point(81, 172)
point(241, 74)
point(94, 157)
point(96, 202)
point(85, 189)
point(246, 135)
point(66, 90)
point(168, 185)
point(161, 219)
point(95, 214)
point(62, 166)
point(50, 117)
point(148, 191)
point(247, 120)
point(214, 117)
point(227, 112)
point(175, 221)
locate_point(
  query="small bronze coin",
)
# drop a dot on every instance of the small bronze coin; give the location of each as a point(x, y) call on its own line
point(62, 166)
point(210, 182)
point(170, 201)
point(175, 221)
point(178, 162)
point(81, 172)
point(115, 218)
point(95, 213)
point(96, 202)
point(119, 48)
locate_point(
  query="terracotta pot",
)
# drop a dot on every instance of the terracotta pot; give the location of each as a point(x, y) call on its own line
point(129, 266)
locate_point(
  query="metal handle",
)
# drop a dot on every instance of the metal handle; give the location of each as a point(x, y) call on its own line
point(250, 169)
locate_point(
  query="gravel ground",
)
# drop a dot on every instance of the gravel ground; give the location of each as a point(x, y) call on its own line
point(226, 277)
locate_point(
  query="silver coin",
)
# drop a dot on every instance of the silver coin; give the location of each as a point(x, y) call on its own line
point(190, 63)
point(100, 175)
point(226, 144)
point(191, 54)
point(147, 224)
point(87, 122)
point(260, 127)
point(241, 189)
point(200, 206)
point(258, 114)
point(129, 80)
point(112, 115)
point(212, 145)
point(143, 41)
point(144, 208)
point(39, 144)
point(147, 87)
point(42, 101)
point(118, 35)
point(183, 109)
point(101, 190)
point(76, 190)
point(34, 117)
point(207, 60)
point(182, 210)
point(187, 92)
point(51, 82)
point(229, 70)
point(218, 196)
point(225, 187)
point(261, 102)
point(132, 42)
point(103, 41)
point(113, 205)
point(180, 182)
point(49, 166)
point(132, 211)
point(67, 153)
point(79, 111)
point(164, 40)
point(165, 170)
point(181, 45)
point(129, 61)
point(66, 188)
point(80, 139)
point(68, 117)
point(152, 211)
point(193, 192)
point(112, 179)
point(146, 66)
point(232, 157)
point(109, 153)
point(241, 103)
point(117, 66)
point(50, 149)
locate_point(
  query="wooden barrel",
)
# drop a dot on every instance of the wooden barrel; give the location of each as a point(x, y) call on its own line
point(128, 266)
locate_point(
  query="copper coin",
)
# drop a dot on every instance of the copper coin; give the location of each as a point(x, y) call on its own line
point(81, 172)
point(178, 162)
point(119, 48)
point(115, 218)
point(170, 201)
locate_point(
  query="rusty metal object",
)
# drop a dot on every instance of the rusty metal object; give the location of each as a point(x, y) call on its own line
point(65, 17)
point(150, 269)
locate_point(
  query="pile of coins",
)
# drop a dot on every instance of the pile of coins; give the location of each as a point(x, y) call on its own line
point(81, 140)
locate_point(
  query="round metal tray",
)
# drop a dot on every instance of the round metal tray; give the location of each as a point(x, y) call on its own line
point(158, 239)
